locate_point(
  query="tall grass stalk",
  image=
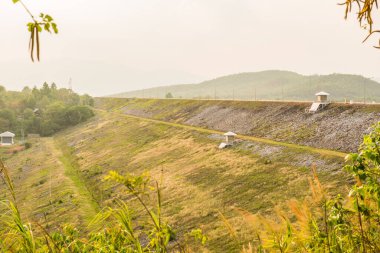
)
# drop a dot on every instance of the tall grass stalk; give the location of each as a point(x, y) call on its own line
point(16, 234)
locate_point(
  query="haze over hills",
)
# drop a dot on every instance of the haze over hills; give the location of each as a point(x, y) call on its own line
point(270, 85)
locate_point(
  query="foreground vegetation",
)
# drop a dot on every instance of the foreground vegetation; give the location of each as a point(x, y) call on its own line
point(42, 111)
point(124, 232)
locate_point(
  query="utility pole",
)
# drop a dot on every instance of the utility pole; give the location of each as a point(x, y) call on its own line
point(22, 133)
point(21, 118)
point(365, 89)
point(254, 98)
point(282, 91)
point(311, 88)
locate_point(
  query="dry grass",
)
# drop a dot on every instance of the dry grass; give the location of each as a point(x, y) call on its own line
point(198, 179)
point(46, 194)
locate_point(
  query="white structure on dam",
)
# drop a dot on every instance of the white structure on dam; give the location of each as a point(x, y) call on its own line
point(320, 103)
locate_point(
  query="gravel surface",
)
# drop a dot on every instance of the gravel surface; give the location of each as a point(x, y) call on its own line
point(337, 127)
point(334, 128)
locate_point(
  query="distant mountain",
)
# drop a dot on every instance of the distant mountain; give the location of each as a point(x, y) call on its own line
point(270, 85)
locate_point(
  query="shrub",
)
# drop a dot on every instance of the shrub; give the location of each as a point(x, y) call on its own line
point(169, 95)
point(27, 145)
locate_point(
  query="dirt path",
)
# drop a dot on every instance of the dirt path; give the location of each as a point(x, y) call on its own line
point(245, 137)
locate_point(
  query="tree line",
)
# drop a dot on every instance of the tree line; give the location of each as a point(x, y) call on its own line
point(43, 111)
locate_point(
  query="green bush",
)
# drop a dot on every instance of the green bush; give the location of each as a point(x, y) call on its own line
point(27, 145)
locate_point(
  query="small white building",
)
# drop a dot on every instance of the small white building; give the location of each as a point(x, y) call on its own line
point(7, 138)
point(230, 138)
point(322, 97)
point(320, 103)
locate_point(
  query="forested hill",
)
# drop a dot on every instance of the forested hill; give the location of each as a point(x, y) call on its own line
point(270, 85)
point(42, 111)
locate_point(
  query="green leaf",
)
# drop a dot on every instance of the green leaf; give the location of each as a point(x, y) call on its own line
point(49, 18)
point(54, 26)
point(30, 26)
point(47, 27)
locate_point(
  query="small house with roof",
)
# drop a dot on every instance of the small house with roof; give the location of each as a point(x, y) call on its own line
point(7, 138)
point(320, 103)
point(322, 97)
point(230, 139)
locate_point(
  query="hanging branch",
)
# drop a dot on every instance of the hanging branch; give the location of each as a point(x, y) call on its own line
point(44, 22)
point(366, 9)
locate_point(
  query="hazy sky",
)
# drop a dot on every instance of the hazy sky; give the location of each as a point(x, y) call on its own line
point(120, 45)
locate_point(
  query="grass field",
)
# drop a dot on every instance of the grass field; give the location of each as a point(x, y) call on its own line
point(60, 180)
point(47, 187)
point(198, 179)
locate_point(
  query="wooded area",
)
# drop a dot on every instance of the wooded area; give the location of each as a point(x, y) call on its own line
point(42, 111)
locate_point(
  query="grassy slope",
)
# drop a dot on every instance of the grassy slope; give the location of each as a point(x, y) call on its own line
point(47, 188)
point(270, 85)
point(198, 179)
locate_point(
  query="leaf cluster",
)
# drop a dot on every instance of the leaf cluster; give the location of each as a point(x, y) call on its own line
point(43, 22)
point(365, 12)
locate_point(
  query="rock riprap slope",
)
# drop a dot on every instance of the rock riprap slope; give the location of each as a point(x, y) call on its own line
point(339, 127)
